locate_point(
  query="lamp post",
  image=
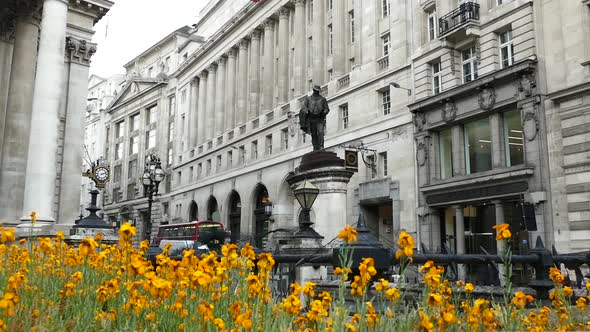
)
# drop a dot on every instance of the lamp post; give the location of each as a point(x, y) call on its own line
point(153, 174)
point(306, 194)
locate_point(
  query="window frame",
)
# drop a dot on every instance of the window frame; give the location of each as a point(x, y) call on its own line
point(385, 96)
point(432, 24)
point(385, 8)
point(351, 26)
point(436, 76)
point(344, 116)
point(386, 44)
point(509, 46)
point(472, 62)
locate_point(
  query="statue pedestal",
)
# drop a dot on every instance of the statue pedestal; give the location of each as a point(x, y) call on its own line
point(305, 247)
point(327, 172)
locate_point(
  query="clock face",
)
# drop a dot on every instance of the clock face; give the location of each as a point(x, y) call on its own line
point(101, 174)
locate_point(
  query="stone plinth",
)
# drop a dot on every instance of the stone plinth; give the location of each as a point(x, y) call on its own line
point(305, 247)
point(327, 172)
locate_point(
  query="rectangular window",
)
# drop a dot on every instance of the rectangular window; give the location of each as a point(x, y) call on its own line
point(118, 151)
point(330, 40)
point(183, 97)
point(506, 49)
point(134, 122)
point(386, 102)
point(513, 139)
point(178, 177)
point(309, 11)
point(432, 24)
point(254, 154)
point(268, 145)
point(445, 150)
point(242, 151)
point(108, 142)
point(208, 170)
point(150, 139)
point(150, 70)
point(330, 4)
point(218, 163)
point(478, 146)
point(230, 159)
point(171, 131)
point(132, 169)
point(351, 20)
point(436, 78)
point(285, 139)
point(131, 191)
point(383, 163)
point(171, 106)
point(170, 153)
point(133, 145)
point(344, 116)
point(120, 129)
point(151, 115)
point(385, 7)
point(469, 61)
point(386, 44)
point(191, 172)
point(199, 169)
point(117, 173)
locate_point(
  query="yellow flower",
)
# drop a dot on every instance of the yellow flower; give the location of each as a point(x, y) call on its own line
point(383, 284)
point(7, 235)
point(181, 327)
point(406, 243)
point(87, 246)
point(219, 323)
point(555, 275)
point(435, 300)
point(503, 231)
point(581, 303)
point(349, 327)
point(126, 231)
point(567, 291)
point(426, 266)
point(33, 216)
point(520, 299)
point(348, 234)
point(469, 288)
point(150, 317)
point(392, 294)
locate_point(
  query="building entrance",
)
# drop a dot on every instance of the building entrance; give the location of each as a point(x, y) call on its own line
point(379, 220)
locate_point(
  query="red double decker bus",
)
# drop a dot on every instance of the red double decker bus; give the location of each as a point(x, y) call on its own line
point(205, 235)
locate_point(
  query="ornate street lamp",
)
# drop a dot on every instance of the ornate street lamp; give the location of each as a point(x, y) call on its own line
point(153, 174)
point(306, 194)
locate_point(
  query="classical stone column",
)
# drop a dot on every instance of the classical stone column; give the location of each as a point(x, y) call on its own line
point(210, 115)
point(6, 49)
point(202, 108)
point(17, 124)
point(300, 38)
point(230, 95)
point(458, 150)
point(460, 233)
point(79, 53)
point(339, 34)
point(499, 207)
point(220, 97)
point(284, 55)
point(319, 44)
point(254, 75)
point(268, 66)
point(242, 82)
point(193, 113)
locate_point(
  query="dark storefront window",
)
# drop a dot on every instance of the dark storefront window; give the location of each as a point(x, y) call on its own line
point(445, 145)
point(513, 139)
point(478, 146)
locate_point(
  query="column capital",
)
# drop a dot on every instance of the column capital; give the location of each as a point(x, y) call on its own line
point(459, 207)
point(284, 12)
point(221, 61)
point(243, 43)
point(79, 50)
point(7, 28)
point(195, 80)
point(231, 53)
point(268, 24)
point(254, 34)
point(203, 75)
point(299, 2)
point(212, 68)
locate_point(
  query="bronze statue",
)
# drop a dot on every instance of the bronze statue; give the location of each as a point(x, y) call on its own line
point(312, 117)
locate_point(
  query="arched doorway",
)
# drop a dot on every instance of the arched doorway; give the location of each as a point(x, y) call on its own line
point(260, 219)
point(213, 210)
point(235, 216)
point(193, 211)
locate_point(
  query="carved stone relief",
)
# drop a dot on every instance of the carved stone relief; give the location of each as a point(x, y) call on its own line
point(487, 98)
point(449, 111)
point(526, 85)
point(530, 125)
point(419, 121)
point(421, 153)
point(292, 123)
point(79, 51)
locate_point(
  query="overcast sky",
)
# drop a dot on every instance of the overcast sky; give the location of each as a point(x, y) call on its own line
point(131, 26)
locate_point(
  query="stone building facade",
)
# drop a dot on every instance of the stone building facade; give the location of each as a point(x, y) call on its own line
point(45, 53)
point(240, 136)
point(499, 122)
point(139, 121)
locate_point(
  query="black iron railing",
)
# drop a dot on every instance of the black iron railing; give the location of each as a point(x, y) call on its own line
point(467, 12)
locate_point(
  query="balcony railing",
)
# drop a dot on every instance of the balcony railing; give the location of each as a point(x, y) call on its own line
point(383, 63)
point(344, 82)
point(467, 12)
